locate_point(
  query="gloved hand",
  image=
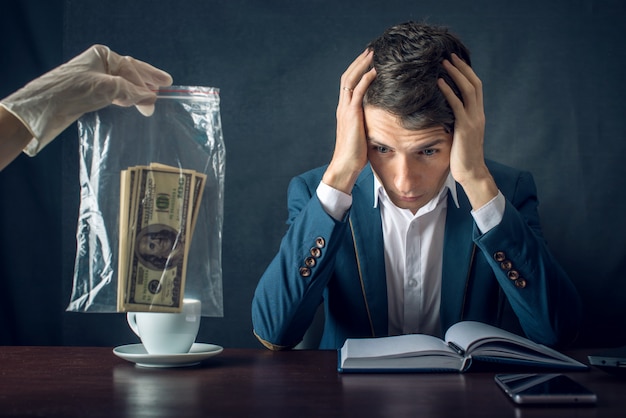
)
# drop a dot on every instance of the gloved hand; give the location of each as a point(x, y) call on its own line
point(94, 79)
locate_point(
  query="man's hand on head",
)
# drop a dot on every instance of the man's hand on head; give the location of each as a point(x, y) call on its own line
point(467, 160)
point(350, 154)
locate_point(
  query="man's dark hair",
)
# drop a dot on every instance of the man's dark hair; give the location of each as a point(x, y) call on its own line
point(408, 58)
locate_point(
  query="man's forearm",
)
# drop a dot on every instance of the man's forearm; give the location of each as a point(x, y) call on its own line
point(479, 189)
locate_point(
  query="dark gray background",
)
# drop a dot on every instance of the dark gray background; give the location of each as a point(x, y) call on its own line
point(554, 91)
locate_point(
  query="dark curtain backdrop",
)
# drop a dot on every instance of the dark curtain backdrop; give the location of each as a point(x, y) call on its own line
point(553, 84)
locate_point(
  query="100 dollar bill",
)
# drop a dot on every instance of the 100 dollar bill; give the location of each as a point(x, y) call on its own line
point(158, 208)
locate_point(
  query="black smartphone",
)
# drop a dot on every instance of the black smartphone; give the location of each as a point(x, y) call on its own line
point(544, 389)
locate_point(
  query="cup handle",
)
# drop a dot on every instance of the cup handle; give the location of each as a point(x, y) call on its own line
point(131, 318)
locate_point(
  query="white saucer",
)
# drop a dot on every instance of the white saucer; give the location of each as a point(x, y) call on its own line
point(137, 354)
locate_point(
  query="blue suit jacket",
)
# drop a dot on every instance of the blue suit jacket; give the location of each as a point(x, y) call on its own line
point(506, 277)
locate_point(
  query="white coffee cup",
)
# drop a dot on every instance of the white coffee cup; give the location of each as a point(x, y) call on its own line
point(167, 333)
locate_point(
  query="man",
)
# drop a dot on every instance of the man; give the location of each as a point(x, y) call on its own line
point(409, 229)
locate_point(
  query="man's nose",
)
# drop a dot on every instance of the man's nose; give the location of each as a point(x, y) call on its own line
point(407, 177)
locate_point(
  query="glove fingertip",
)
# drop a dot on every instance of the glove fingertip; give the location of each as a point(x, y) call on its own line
point(146, 110)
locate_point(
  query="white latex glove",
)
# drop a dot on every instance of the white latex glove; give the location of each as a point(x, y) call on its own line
point(94, 79)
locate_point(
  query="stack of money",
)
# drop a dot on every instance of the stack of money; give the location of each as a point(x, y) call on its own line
point(159, 205)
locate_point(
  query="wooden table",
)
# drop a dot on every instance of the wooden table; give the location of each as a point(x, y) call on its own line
point(92, 382)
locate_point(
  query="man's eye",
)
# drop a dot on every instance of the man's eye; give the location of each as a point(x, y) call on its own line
point(429, 152)
point(382, 150)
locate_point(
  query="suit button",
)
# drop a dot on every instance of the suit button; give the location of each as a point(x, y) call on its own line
point(316, 252)
point(521, 283)
point(305, 271)
point(320, 242)
point(513, 274)
point(499, 256)
point(506, 265)
point(309, 262)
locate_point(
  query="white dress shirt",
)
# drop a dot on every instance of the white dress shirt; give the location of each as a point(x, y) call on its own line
point(413, 251)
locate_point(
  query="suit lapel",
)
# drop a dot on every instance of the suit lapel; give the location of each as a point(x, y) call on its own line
point(367, 234)
point(457, 254)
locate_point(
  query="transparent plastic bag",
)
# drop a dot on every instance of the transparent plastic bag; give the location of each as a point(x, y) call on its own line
point(185, 132)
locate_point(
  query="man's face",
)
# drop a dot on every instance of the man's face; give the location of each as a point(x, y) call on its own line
point(411, 165)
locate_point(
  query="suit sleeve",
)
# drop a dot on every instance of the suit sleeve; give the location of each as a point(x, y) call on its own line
point(538, 289)
point(292, 287)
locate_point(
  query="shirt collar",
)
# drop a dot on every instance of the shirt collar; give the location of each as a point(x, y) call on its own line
point(449, 184)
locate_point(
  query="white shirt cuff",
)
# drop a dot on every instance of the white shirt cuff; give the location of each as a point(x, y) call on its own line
point(335, 202)
point(490, 215)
